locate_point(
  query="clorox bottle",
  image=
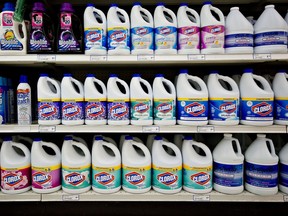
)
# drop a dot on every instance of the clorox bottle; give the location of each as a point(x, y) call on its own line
point(256, 100)
point(261, 167)
point(228, 166)
point(283, 169)
point(46, 167)
point(123, 140)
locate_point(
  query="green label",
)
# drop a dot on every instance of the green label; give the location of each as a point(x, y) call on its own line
point(76, 178)
point(136, 178)
point(197, 177)
point(106, 177)
point(167, 178)
point(141, 109)
point(164, 109)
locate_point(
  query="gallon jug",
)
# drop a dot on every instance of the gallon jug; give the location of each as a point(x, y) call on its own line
point(167, 168)
point(228, 166)
point(106, 167)
point(212, 30)
point(188, 30)
point(106, 139)
point(118, 101)
point(49, 96)
point(197, 169)
point(136, 165)
point(95, 31)
point(256, 100)
point(142, 31)
point(261, 167)
point(164, 101)
point(150, 141)
point(118, 25)
point(192, 100)
point(238, 33)
point(223, 101)
point(46, 167)
point(141, 101)
point(72, 101)
point(283, 169)
point(76, 167)
point(24, 112)
point(95, 101)
point(165, 30)
point(15, 167)
point(122, 140)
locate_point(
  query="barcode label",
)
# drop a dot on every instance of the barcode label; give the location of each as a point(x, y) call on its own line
point(47, 128)
point(98, 58)
point(205, 129)
point(262, 56)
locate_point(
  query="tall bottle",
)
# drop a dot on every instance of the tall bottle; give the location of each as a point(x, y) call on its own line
point(24, 112)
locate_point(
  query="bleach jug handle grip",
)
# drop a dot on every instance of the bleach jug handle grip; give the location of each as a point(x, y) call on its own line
point(231, 82)
point(195, 14)
point(173, 147)
point(124, 85)
point(144, 149)
point(55, 83)
point(171, 13)
point(147, 84)
point(102, 85)
point(80, 86)
point(263, 81)
point(237, 145)
point(123, 12)
point(171, 85)
point(24, 30)
point(136, 139)
point(83, 147)
point(271, 146)
point(200, 82)
point(204, 148)
point(219, 12)
point(113, 148)
point(23, 148)
point(148, 14)
point(108, 139)
point(54, 147)
point(100, 13)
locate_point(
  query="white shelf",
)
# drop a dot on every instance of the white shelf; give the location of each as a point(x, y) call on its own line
point(28, 196)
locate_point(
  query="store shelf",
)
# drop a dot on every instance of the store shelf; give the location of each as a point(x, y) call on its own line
point(28, 196)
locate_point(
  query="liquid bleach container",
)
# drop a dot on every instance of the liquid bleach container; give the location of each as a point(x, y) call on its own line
point(46, 167)
point(15, 167)
point(188, 30)
point(212, 30)
point(95, 101)
point(106, 167)
point(72, 101)
point(228, 166)
point(283, 169)
point(261, 167)
point(238, 33)
point(165, 30)
point(223, 101)
point(150, 141)
point(256, 101)
point(122, 140)
point(142, 31)
point(136, 167)
point(192, 100)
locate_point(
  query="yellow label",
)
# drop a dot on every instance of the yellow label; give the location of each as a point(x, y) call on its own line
point(281, 98)
point(47, 169)
point(49, 100)
point(137, 169)
point(107, 169)
point(15, 169)
point(167, 169)
point(223, 98)
point(258, 99)
point(192, 99)
point(163, 99)
point(94, 28)
point(118, 100)
point(117, 28)
point(208, 168)
point(76, 168)
point(94, 99)
point(72, 100)
point(140, 99)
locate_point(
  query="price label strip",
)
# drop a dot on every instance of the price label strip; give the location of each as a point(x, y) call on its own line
point(201, 198)
point(45, 129)
point(75, 197)
point(205, 129)
point(149, 129)
point(285, 198)
point(98, 58)
point(145, 58)
point(196, 57)
point(46, 58)
point(262, 56)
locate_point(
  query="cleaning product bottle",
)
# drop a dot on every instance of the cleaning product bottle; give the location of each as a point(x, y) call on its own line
point(3, 105)
point(24, 102)
point(11, 102)
point(283, 169)
point(122, 140)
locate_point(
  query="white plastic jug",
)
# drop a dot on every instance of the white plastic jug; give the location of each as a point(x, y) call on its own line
point(122, 140)
point(150, 141)
point(261, 167)
point(106, 139)
point(283, 169)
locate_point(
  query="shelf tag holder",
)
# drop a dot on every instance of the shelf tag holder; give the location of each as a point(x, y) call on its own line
point(196, 57)
point(262, 56)
point(145, 58)
point(46, 58)
point(201, 198)
point(205, 129)
point(150, 129)
point(98, 58)
point(75, 197)
point(46, 129)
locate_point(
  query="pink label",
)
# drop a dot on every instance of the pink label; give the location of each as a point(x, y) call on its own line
point(37, 19)
point(189, 37)
point(12, 179)
point(212, 36)
point(7, 19)
point(66, 20)
point(44, 178)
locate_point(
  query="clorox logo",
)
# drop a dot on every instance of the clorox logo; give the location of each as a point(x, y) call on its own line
point(167, 178)
point(195, 109)
point(94, 110)
point(47, 110)
point(70, 110)
point(12, 179)
point(262, 109)
point(189, 31)
point(228, 107)
point(165, 31)
point(141, 108)
point(164, 107)
point(119, 110)
point(201, 178)
point(41, 178)
point(118, 36)
point(216, 30)
point(134, 178)
point(93, 36)
point(141, 31)
point(104, 178)
point(74, 178)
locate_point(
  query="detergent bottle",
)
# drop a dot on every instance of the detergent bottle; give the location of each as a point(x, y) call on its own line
point(24, 112)
point(123, 140)
point(283, 169)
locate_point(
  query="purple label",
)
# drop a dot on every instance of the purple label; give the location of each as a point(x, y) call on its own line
point(212, 36)
point(15, 179)
point(189, 37)
point(46, 177)
point(95, 110)
point(48, 110)
point(72, 111)
point(118, 111)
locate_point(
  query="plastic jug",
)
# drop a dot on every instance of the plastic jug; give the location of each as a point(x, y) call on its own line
point(24, 112)
point(188, 30)
point(192, 100)
point(228, 166)
point(150, 141)
point(122, 140)
point(256, 101)
point(261, 167)
point(46, 167)
point(283, 169)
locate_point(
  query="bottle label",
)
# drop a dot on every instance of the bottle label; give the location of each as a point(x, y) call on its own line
point(48, 110)
point(106, 177)
point(197, 177)
point(265, 176)
point(212, 37)
point(141, 109)
point(223, 109)
point(72, 110)
point(15, 178)
point(257, 109)
point(2, 105)
point(94, 38)
point(46, 177)
point(167, 178)
point(95, 110)
point(281, 109)
point(142, 38)
point(192, 109)
point(188, 38)
point(165, 37)
point(136, 177)
point(283, 175)
point(164, 109)
point(118, 38)
point(238, 40)
point(227, 174)
point(76, 177)
point(24, 106)
point(270, 38)
point(118, 110)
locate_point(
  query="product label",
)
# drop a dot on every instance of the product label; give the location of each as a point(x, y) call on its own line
point(72, 110)
point(281, 109)
point(95, 110)
point(270, 38)
point(265, 176)
point(165, 37)
point(118, 110)
point(106, 177)
point(283, 175)
point(15, 178)
point(76, 177)
point(48, 110)
point(188, 38)
point(136, 177)
point(164, 109)
point(142, 38)
point(46, 177)
point(238, 40)
point(197, 177)
point(141, 109)
point(94, 38)
point(228, 175)
point(192, 109)
point(2, 105)
point(212, 36)
point(24, 106)
point(257, 109)
point(118, 38)
point(167, 178)
point(223, 109)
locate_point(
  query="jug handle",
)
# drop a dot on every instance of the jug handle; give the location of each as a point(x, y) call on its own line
point(55, 83)
point(219, 12)
point(263, 81)
point(23, 148)
point(54, 147)
point(173, 147)
point(136, 139)
point(85, 149)
point(199, 81)
point(170, 84)
point(23, 27)
point(80, 86)
point(271, 146)
point(204, 148)
point(124, 85)
point(147, 84)
point(145, 150)
point(100, 13)
point(231, 82)
point(123, 12)
point(113, 148)
point(109, 139)
point(102, 85)
point(27, 139)
point(170, 12)
point(195, 14)
point(148, 14)
point(237, 145)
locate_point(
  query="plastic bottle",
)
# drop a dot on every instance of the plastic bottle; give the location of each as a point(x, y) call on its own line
point(238, 33)
point(283, 169)
point(192, 100)
point(188, 30)
point(164, 101)
point(136, 165)
point(142, 31)
point(141, 101)
point(256, 100)
point(72, 101)
point(165, 30)
point(11, 102)
point(122, 140)
point(261, 167)
point(212, 30)
point(150, 141)
point(106, 167)
point(15, 167)
point(118, 25)
point(3, 99)
point(270, 32)
point(46, 167)
point(118, 101)
point(95, 32)
point(228, 166)
point(95, 101)
point(24, 102)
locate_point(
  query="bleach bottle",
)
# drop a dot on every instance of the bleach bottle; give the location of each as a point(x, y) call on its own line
point(142, 31)
point(95, 31)
point(283, 169)
point(118, 25)
point(123, 140)
point(192, 100)
point(72, 101)
point(165, 30)
point(212, 30)
point(228, 166)
point(95, 101)
point(24, 112)
point(141, 101)
point(46, 167)
point(188, 30)
point(256, 101)
point(261, 167)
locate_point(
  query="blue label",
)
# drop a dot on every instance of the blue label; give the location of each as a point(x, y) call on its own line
point(95, 110)
point(118, 38)
point(253, 109)
point(192, 110)
point(72, 111)
point(118, 110)
point(94, 38)
point(165, 37)
point(281, 109)
point(223, 109)
point(142, 38)
point(238, 40)
point(10, 42)
point(48, 110)
point(270, 38)
point(228, 175)
point(283, 175)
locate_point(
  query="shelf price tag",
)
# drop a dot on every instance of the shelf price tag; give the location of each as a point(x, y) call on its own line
point(45, 129)
point(145, 58)
point(98, 58)
point(75, 197)
point(205, 129)
point(149, 129)
point(46, 58)
point(262, 56)
point(196, 57)
point(285, 198)
point(201, 198)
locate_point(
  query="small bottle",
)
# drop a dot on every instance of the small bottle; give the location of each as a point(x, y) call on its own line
point(24, 102)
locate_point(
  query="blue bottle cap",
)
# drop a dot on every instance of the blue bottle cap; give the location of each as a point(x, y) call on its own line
point(188, 138)
point(137, 4)
point(97, 138)
point(128, 138)
point(9, 6)
point(157, 138)
point(8, 138)
point(183, 4)
point(183, 71)
point(90, 5)
point(90, 75)
point(68, 138)
point(159, 75)
point(38, 139)
point(282, 71)
point(68, 75)
point(160, 4)
point(114, 5)
point(136, 75)
point(207, 3)
point(43, 75)
point(23, 79)
point(248, 70)
point(113, 75)
point(214, 72)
